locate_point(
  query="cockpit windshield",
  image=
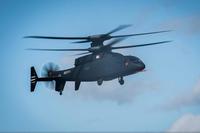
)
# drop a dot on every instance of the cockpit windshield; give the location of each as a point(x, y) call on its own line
point(134, 59)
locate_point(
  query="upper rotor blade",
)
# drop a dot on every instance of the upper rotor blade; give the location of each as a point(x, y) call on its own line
point(36, 49)
point(140, 45)
point(51, 37)
point(139, 34)
point(118, 29)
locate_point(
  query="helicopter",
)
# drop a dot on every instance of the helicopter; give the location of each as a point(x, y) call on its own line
point(97, 63)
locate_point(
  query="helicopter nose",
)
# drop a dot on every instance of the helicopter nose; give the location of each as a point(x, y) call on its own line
point(141, 66)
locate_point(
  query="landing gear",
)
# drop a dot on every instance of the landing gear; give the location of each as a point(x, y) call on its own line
point(121, 80)
point(60, 92)
point(100, 82)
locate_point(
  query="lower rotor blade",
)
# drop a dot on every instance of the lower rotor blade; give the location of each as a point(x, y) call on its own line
point(140, 45)
point(117, 40)
point(36, 49)
point(81, 41)
point(83, 53)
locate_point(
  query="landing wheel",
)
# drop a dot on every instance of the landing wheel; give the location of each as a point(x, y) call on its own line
point(100, 82)
point(121, 80)
point(60, 92)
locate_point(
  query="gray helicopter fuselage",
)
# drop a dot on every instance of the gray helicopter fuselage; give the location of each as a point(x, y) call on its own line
point(102, 66)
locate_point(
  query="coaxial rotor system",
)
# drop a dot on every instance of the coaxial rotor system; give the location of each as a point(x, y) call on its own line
point(97, 41)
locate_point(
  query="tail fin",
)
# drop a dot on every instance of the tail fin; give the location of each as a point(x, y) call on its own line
point(34, 78)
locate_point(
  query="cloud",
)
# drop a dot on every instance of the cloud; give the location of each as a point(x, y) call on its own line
point(113, 92)
point(186, 99)
point(187, 123)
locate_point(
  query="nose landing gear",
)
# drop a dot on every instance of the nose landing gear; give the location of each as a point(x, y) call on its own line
point(121, 80)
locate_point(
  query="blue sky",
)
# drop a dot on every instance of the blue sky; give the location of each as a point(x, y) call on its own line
point(151, 101)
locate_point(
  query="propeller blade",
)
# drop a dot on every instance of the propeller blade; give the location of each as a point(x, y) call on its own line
point(47, 68)
point(118, 29)
point(44, 72)
point(50, 37)
point(50, 85)
point(140, 45)
point(50, 67)
point(139, 34)
point(36, 49)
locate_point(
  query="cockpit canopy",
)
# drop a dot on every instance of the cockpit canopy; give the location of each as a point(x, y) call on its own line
point(133, 59)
